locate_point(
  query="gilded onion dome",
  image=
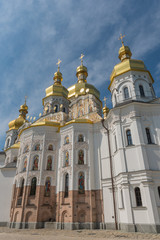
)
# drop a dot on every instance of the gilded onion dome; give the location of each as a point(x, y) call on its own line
point(56, 89)
point(18, 122)
point(127, 64)
point(82, 87)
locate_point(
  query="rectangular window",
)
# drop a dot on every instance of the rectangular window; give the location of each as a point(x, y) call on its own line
point(148, 136)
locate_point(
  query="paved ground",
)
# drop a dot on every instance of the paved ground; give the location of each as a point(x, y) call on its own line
point(49, 234)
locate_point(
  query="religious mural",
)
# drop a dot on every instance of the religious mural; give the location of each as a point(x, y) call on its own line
point(66, 139)
point(81, 187)
point(35, 163)
point(49, 163)
point(81, 157)
point(50, 147)
point(80, 138)
point(47, 187)
point(37, 147)
point(66, 159)
point(26, 149)
point(25, 164)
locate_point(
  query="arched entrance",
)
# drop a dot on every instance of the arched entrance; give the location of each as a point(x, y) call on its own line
point(81, 219)
point(64, 219)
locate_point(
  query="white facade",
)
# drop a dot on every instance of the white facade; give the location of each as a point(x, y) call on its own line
point(128, 176)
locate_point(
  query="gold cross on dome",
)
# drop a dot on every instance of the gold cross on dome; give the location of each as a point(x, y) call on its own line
point(25, 100)
point(81, 57)
point(104, 99)
point(58, 63)
point(121, 38)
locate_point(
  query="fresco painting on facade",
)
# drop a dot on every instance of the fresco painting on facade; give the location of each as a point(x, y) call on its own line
point(26, 149)
point(66, 159)
point(37, 147)
point(81, 186)
point(35, 163)
point(81, 157)
point(50, 147)
point(66, 140)
point(80, 138)
point(47, 187)
point(49, 163)
point(25, 164)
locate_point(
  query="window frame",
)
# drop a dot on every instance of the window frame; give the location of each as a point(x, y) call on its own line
point(129, 138)
point(138, 197)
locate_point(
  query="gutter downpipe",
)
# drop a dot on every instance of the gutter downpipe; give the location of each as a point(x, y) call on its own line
point(111, 171)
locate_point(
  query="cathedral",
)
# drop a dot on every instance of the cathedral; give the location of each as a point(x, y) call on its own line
point(81, 165)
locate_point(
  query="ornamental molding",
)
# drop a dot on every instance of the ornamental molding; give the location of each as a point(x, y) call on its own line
point(81, 145)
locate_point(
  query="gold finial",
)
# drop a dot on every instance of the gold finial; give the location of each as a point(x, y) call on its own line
point(25, 100)
point(121, 38)
point(81, 57)
point(104, 99)
point(58, 63)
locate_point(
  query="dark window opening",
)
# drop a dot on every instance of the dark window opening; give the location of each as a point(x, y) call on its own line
point(129, 137)
point(138, 197)
point(148, 136)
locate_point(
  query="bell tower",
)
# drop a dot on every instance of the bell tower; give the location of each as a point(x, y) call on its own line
point(130, 79)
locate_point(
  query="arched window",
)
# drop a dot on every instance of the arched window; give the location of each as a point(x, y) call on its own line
point(15, 159)
point(126, 93)
point(159, 191)
point(24, 164)
point(115, 99)
point(148, 136)
point(141, 90)
point(26, 149)
point(66, 185)
point(50, 147)
point(37, 147)
point(8, 143)
point(129, 137)
point(80, 138)
point(81, 185)
point(55, 108)
point(49, 163)
point(66, 159)
point(22, 188)
point(33, 186)
point(66, 139)
point(138, 197)
point(47, 187)
point(35, 163)
point(81, 157)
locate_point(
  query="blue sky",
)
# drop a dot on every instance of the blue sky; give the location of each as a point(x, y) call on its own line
point(35, 33)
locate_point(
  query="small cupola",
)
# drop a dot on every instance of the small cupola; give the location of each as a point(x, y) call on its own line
point(82, 73)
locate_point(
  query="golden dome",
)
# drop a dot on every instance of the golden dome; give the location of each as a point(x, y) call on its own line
point(56, 89)
point(82, 70)
point(18, 122)
point(58, 75)
point(82, 88)
point(127, 64)
point(124, 53)
point(58, 78)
